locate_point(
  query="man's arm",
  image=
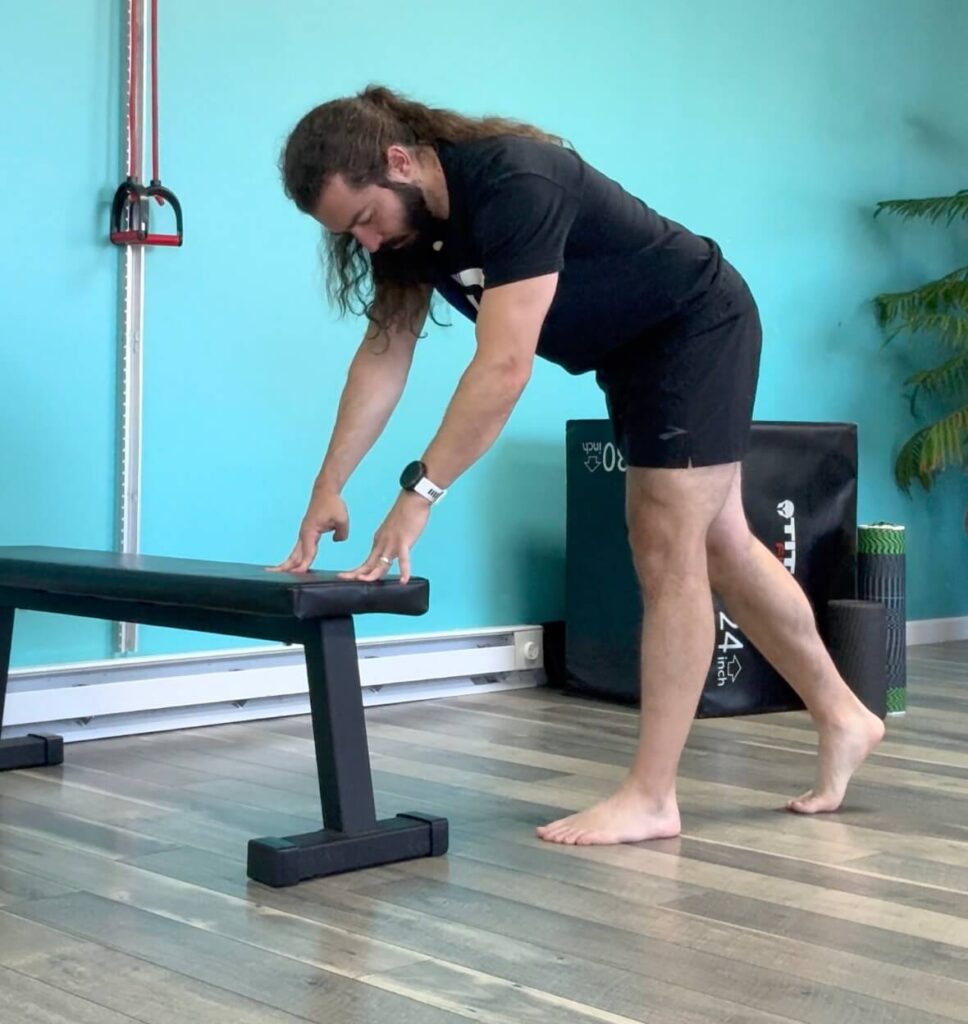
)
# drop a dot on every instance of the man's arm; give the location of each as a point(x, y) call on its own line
point(374, 384)
point(375, 381)
point(508, 325)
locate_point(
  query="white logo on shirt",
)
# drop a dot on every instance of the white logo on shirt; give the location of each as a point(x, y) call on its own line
point(470, 280)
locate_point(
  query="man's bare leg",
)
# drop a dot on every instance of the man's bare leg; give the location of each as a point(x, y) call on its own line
point(772, 610)
point(669, 513)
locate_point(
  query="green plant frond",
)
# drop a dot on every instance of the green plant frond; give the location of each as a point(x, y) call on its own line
point(951, 330)
point(907, 467)
point(950, 378)
point(932, 449)
point(935, 208)
point(948, 294)
point(940, 309)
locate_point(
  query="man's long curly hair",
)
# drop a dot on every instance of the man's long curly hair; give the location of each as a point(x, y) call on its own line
point(350, 137)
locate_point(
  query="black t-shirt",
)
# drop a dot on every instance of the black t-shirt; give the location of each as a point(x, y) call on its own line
point(520, 208)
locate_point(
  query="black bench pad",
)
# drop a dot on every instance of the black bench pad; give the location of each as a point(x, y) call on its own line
point(224, 586)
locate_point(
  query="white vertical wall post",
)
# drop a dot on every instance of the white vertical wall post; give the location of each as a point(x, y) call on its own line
point(131, 319)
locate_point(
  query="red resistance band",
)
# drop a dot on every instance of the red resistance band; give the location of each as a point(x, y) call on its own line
point(131, 205)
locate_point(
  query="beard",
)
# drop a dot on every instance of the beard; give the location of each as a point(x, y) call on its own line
point(417, 220)
point(407, 259)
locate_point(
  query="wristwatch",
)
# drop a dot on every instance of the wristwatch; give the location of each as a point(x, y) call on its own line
point(414, 478)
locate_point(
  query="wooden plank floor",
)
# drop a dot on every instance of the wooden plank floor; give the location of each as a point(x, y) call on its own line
point(123, 894)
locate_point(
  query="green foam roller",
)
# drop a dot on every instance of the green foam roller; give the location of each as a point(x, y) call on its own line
point(880, 539)
point(881, 577)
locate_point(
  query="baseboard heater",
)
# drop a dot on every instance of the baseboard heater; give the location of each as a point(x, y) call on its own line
point(119, 697)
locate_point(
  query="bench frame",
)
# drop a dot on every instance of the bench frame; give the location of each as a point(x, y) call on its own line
point(352, 837)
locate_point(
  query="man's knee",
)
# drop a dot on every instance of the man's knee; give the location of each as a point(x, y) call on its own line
point(728, 547)
point(666, 551)
point(669, 513)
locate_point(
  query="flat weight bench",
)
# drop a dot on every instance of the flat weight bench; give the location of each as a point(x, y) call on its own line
point(314, 609)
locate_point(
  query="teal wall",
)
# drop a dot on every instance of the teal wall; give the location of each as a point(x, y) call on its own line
point(773, 127)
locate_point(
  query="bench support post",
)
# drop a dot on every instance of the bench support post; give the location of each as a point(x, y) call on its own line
point(339, 730)
point(352, 837)
point(23, 751)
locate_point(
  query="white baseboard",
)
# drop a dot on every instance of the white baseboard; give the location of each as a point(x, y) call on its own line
point(937, 631)
point(96, 700)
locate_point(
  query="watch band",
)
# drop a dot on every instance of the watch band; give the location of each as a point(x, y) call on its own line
point(429, 490)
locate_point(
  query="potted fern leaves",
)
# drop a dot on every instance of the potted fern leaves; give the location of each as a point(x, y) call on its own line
point(939, 309)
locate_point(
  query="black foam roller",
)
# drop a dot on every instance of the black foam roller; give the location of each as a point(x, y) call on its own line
point(880, 577)
point(857, 640)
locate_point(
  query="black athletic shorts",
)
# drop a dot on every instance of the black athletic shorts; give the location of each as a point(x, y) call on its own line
point(682, 395)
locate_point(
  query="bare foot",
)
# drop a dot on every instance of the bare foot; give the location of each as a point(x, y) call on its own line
point(840, 752)
point(628, 816)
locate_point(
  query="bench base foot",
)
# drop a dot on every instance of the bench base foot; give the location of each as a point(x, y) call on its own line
point(34, 751)
point(281, 862)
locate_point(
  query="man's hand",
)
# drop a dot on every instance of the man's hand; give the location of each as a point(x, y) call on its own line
point(326, 514)
point(401, 529)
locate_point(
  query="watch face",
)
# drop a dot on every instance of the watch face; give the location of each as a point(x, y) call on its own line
point(412, 475)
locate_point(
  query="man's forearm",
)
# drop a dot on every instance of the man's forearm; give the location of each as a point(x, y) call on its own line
point(370, 395)
point(482, 403)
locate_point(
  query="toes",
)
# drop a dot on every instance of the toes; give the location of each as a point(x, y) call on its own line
point(552, 833)
point(813, 803)
point(566, 836)
point(799, 803)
